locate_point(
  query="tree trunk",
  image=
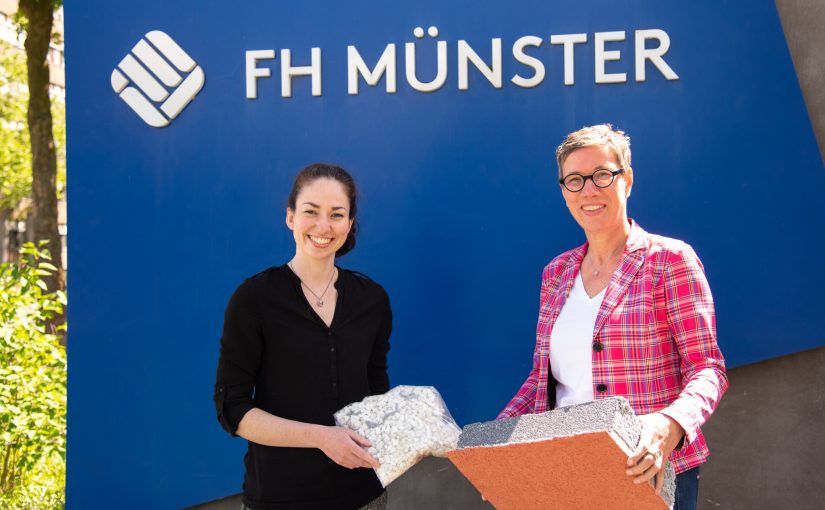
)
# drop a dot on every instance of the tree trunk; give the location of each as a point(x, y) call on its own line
point(39, 14)
point(4, 235)
point(44, 160)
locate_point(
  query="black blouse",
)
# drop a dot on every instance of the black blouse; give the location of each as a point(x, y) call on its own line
point(279, 356)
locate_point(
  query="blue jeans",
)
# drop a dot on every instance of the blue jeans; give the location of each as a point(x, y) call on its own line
point(687, 490)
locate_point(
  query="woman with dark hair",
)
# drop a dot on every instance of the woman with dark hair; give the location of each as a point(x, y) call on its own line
point(300, 341)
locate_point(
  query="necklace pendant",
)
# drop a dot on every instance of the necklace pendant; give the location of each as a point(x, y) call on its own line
point(320, 303)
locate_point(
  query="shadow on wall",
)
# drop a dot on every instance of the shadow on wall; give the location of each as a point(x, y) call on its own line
point(764, 437)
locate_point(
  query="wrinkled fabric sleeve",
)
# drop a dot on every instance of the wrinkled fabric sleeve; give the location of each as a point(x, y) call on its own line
point(379, 381)
point(240, 353)
point(692, 323)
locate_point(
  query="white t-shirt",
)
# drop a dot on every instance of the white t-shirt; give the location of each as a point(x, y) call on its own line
point(571, 346)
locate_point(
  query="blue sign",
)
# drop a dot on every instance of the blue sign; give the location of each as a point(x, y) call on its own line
point(187, 121)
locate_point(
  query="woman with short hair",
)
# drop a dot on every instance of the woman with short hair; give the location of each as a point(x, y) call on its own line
point(626, 314)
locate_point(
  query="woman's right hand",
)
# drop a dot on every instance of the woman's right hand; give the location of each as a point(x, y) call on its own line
point(346, 448)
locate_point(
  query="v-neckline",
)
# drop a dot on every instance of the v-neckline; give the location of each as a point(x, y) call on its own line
point(580, 284)
point(339, 289)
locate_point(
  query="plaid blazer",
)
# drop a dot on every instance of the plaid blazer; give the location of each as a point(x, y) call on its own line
point(654, 341)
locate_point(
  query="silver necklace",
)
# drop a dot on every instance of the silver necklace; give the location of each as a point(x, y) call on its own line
point(319, 300)
point(596, 271)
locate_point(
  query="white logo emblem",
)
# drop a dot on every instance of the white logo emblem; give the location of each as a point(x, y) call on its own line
point(136, 79)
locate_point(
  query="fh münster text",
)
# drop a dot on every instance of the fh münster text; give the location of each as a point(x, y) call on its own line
point(649, 46)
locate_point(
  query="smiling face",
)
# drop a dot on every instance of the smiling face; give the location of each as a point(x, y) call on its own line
point(598, 211)
point(320, 221)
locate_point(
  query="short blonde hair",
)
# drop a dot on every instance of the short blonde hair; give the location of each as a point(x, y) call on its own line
point(600, 135)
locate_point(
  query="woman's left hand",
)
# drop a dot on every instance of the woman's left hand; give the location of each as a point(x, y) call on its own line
point(660, 435)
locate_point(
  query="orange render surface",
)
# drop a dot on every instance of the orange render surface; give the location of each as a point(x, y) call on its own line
point(585, 471)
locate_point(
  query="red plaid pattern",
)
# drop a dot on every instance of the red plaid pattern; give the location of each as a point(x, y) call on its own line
point(657, 327)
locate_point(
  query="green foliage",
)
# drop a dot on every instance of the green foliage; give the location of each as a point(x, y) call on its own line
point(15, 147)
point(15, 144)
point(32, 386)
point(59, 133)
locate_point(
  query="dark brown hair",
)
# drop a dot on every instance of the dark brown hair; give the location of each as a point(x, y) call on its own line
point(317, 171)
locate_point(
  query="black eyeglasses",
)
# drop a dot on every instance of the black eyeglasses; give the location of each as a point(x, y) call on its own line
point(602, 178)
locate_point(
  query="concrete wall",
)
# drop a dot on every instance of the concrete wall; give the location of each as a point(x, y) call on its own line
point(766, 437)
point(804, 25)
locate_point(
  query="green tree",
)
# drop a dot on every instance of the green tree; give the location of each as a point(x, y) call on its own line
point(15, 152)
point(38, 18)
point(15, 148)
point(32, 386)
